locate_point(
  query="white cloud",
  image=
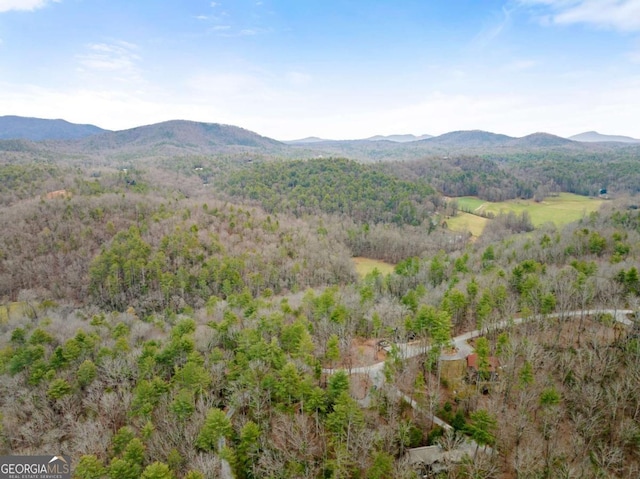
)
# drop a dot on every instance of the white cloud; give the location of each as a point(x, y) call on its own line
point(110, 61)
point(516, 114)
point(494, 30)
point(24, 5)
point(249, 102)
point(292, 104)
point(228, 89)
point(109, 57)
point(107, 108)
point(621, 15)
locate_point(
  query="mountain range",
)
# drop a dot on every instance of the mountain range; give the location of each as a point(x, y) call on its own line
point(392, 138)
point(189, 137)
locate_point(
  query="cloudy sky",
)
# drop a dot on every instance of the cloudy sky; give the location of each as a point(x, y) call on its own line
point(330, 68)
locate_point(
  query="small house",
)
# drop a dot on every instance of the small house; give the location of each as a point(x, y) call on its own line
point(474, 372)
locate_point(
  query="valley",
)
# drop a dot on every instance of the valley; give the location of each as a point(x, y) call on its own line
point(205, 301)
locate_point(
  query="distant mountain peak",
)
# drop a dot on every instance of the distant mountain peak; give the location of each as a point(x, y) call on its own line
point(541, 139)
point(470, 138)
point(594, 136)
point(309, 139)
point(14, 127)
point(392, 138)
point(179, 134)
point(406, 138)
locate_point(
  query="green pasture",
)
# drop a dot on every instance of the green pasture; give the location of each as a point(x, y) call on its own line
point(560, 210)
point(364, 266)
point(469, 203)
point(467, 222)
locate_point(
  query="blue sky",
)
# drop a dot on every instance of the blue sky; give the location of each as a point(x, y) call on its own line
point(335, 69)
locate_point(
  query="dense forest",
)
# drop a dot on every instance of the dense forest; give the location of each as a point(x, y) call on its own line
point(498, 177)
point(200, 316)
point(331, 186)
point(466, 176)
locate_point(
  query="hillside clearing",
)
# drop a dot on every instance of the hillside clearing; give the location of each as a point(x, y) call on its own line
point(560, 210)
point(364, 266)
point(474, 224)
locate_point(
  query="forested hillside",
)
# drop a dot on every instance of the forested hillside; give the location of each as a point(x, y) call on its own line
point(581, 174)
point(145, 252)
point(467, 176)
point(331, 186)
point(199, 316)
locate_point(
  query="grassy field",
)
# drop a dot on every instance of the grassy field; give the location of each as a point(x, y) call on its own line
point(470, 203)
point(364, 266)
point(560, 210)
point(467, 222)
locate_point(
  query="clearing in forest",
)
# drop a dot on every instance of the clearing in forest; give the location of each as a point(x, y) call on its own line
point(560, 210)
point(467, 222)
point(364, 266)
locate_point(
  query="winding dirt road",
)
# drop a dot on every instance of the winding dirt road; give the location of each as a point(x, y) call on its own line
point(463, 349)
